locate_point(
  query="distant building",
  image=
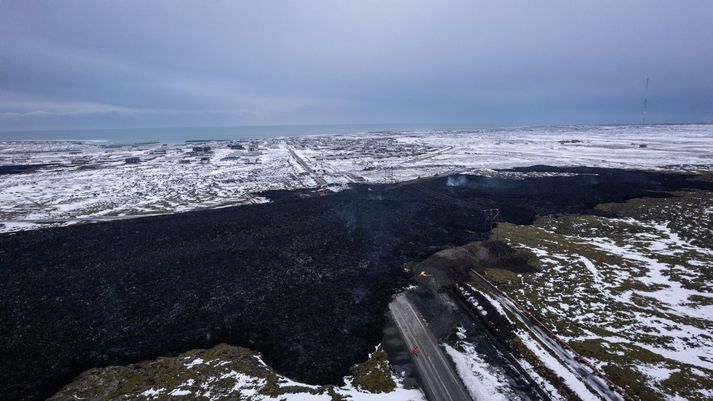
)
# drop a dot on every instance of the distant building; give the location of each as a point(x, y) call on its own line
point(184, 161)
point(252, 159)
point(233, 156)
point(236, 146)
point(201, 149)
point(81, 160)
point(205, 160)
point(132, 160)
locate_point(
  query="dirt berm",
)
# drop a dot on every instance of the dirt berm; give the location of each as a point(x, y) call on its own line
point(451, 265)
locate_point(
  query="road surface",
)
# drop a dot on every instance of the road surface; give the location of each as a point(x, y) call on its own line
point(319, 180)
point(439, 380)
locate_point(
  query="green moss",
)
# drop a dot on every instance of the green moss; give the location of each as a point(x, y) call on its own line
point(335, 396)
point(519, 234)
point(564, 290)
point(633, 382)
point(676, 210)
point(501, 277)
point(603, 351)
point(593, 348)
point(213, 375)
point(528, 256)
point(701, 300)
point(374, 375)
point(684, 383)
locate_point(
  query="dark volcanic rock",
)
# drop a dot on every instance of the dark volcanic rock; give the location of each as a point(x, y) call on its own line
point(20, 168)
point(304, 281)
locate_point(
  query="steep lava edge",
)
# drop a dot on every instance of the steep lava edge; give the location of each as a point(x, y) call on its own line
point(305, 281)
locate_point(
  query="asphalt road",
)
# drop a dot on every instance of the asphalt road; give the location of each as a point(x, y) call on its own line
point(319, 180)
point(438, 378)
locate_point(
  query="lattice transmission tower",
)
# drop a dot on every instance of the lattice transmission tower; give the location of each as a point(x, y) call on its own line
point(389, 175)
point(491, 217)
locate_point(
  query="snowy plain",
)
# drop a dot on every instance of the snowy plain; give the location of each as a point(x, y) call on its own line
point(77, 181)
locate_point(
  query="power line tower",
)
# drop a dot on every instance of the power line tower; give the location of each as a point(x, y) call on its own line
point(389, 175)
point(646, 103)
point(491, 217)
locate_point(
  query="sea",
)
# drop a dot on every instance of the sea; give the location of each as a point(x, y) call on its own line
point(182, 134)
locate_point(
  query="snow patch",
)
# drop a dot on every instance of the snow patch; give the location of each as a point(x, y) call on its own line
point(482, 380)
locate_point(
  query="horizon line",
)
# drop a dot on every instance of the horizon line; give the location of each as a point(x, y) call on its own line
point(469, 125)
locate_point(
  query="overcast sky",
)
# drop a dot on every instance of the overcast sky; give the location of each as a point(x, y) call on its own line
point(138, 63)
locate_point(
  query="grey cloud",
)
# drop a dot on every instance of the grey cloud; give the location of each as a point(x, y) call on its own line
point(69, 63)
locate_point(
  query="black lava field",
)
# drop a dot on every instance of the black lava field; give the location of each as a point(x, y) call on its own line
point(305, 281)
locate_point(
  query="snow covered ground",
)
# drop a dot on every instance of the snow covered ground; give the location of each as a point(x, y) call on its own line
point(221, 373)
point(483, 381)
point(252, 388)
point(631, 293)
point(84, 180)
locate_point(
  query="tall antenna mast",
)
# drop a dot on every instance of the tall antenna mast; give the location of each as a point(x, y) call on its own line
point(646, 102)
